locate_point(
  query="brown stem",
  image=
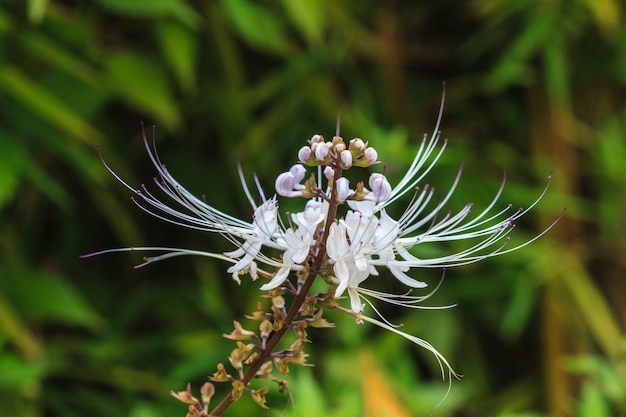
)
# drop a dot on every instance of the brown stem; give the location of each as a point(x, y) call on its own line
point(292, 314)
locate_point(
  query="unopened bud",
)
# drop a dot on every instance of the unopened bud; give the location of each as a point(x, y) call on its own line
point(329, 173)
point(346, 159)
point(343, 189)
point(371, 155)
point(337, 140)
point(381, 189)
point(278, 301)
point(288, 183)
point(357, 144)
point(321, 152)
point(304, 154)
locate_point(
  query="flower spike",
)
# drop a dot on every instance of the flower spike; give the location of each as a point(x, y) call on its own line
point(342, 237)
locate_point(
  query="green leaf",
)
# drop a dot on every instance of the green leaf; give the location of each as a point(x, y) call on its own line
point(592, 402)
point(45, 104)
point(17, 373)
point(37, 10)
point(155, 8)
point(15, 163)
point(308, 16)
point(180, 49)
point(518, 309)
point(257, 25)
point(9, 177)
point(44, 297)
point(144, 84)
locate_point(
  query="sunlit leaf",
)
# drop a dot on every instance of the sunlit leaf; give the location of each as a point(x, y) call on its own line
point(37, 10)
point(308, 16)
point(18, 373)
point(592, 403)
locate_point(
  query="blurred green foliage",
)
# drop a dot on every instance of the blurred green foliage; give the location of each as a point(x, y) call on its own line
point(536, 86)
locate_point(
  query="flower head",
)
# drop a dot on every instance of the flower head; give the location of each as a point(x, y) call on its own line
point(346, 250)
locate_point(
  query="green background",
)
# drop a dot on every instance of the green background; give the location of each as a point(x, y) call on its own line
point(533, 86)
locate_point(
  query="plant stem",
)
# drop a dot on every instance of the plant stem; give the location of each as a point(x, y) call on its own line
point(300, 298)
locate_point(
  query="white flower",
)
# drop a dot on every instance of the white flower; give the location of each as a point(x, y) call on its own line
point(314, 213)
point(350, 267)
point(299, 241)
point(250, 238)
point(346, 250)
point(263, 228)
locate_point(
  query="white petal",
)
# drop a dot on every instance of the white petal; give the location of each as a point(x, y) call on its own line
point(342, 273)
point(355, 300)
point(280, 277)
point(337, 244)
point(405, 279)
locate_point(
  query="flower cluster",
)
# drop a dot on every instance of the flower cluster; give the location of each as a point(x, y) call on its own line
point(343, 247)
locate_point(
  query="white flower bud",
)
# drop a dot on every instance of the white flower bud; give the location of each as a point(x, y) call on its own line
point(287, 181)
point(340, 147)
point(329, 173)
point(346, 159)
point(381, 189)
point(304, 154)
point(298, 172)
point(357, 144)
point(371, 155)
point(343, 189)
point(321, 151)
point(316, 139)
